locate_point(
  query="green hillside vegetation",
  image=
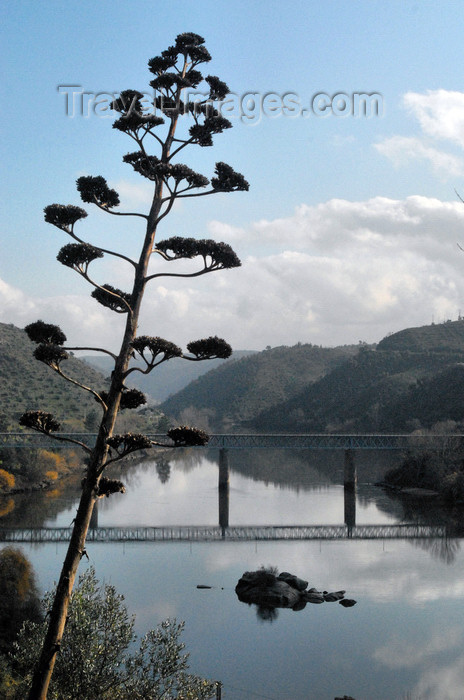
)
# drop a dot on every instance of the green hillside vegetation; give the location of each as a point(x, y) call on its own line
point(448, 337)
point(410, 380)
point(26, 384)
point(431, 400)
point(235, 393)
point(168, 378)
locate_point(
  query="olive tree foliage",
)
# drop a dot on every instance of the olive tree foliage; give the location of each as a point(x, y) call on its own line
point(174, 125)
point(99, 659)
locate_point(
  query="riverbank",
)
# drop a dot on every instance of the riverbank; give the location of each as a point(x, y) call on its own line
point(430, 475)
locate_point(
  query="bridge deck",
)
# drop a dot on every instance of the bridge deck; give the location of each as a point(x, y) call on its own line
point(268, 441)
point(192, 533)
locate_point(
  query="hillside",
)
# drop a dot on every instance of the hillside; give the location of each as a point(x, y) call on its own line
point(438, 337)
point(413, 378)
point(237, 392)
point(26, 384)
point(410, 380)
point(431, 400)
point(168, 378)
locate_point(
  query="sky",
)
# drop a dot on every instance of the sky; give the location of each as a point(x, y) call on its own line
point(348, 123)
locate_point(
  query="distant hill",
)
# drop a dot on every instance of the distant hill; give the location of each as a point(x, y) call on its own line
point(237, 392)
point(411, 379)
point(26, 384)
point(170, 377)
point(447, 336)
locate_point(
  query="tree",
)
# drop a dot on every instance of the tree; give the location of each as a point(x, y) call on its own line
point(95, 662)
point(175, 71)
point(18, 595)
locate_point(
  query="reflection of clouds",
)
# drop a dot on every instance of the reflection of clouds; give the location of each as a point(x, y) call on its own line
point(376, 571)
point(445, 683)
point(160, 609)
point(400, 591)
point(190, 498)
point(399, 653)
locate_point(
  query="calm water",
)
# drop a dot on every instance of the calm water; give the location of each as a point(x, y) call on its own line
point(403, 639)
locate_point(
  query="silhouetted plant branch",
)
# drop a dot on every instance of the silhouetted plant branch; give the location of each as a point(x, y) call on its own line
point(174, 71)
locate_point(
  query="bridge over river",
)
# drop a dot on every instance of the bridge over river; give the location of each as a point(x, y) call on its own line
point(232, 441)
point(348, 443)
point(191, 533)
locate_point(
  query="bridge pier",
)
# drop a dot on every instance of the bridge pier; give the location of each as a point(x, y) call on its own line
point(223, 488)
point(350, 476)
point(349, 489)
point(350, 506)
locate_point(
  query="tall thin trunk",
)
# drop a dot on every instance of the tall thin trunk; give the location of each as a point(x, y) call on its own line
point(75, 552)
point(76, 548)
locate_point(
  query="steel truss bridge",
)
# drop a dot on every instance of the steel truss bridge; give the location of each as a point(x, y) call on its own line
point(192, 533)
point(269, 441)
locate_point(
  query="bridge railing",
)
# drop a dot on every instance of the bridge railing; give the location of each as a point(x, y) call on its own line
point(192, 533)
point(315, 441)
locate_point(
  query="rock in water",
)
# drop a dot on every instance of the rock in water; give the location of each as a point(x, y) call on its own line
point(267, 590)
point(347, 602)
point(293, 581)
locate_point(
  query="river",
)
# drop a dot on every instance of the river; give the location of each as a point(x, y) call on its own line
point(404, 638)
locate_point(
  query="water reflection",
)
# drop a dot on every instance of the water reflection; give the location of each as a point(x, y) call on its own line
point(409, 618)
point(210, 487)
point(405, 636)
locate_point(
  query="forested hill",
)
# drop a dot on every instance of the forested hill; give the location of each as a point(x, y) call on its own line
point(438, 337)
point(412, 379)
point(26, 384)
point(238, 391)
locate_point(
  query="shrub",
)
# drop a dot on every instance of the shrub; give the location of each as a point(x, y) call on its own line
point(7, 480)
point(421, 470)
point(94, 662)
point(453, 488)
point(6, 506)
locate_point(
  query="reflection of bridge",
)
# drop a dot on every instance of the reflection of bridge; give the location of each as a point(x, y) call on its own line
point(348, 443)
point(271, 441)
point(193, 533)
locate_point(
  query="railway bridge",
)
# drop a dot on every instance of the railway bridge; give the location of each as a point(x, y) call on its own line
point(193, 533)
point(240, 441)
point(348, 443)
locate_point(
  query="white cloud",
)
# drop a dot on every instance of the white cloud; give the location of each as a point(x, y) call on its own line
point(401, 150)
point(440, 113)
point(445, 683)
point(81, 318)
point(132, 194)
point(333, 273)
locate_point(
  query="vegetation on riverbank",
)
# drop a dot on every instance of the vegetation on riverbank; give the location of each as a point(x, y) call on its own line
point(95, 661)
point(23, 469)
point(435, 470)
point(98, 658)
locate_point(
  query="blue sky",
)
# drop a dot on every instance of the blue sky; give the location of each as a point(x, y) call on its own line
point(351, 225)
